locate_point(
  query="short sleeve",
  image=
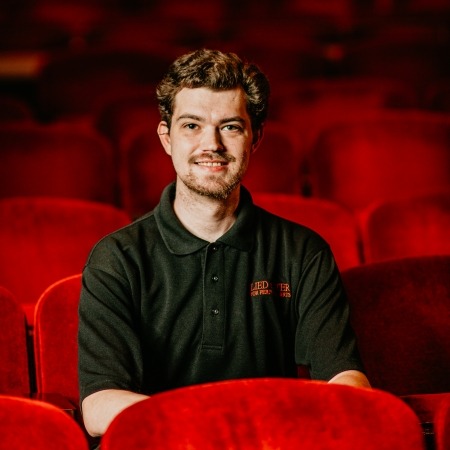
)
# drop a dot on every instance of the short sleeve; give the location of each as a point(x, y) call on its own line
point(325, 341)
point(108, 344)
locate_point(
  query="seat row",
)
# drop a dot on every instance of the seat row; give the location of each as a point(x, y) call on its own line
point(46, 238)
point(353, 161)
point(255, 413)
point(399, 309)
point(286, 43)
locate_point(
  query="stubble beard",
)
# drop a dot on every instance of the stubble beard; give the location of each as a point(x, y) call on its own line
point(215, 187)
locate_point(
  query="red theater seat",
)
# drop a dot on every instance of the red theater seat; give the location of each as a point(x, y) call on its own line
point(398, 155)
point(442, 426)
point(59, 160)
point(266, 413)
point(310, 106)
point(333, 222)
point(55, 339)
point(14, 373)
point(145, 171)
point(276, 165)
point(46, 239)
point(123, 117)
point(30, 424)
point(56, 347)
point(400, 311)
point(417, 226)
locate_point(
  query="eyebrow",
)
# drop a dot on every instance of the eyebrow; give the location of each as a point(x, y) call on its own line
point(190, 116)
point(200, 119)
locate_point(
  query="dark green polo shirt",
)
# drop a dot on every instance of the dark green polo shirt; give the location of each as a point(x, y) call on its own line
point(161, 308)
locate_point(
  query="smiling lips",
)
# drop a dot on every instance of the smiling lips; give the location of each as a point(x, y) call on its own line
point(211, 164)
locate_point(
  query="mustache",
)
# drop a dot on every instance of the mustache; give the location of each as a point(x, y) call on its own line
point(213, 156)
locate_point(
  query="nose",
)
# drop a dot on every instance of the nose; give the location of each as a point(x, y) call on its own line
point(212, 140)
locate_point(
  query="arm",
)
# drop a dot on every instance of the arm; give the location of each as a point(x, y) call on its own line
point(351, 378)
point(325, 340)
point(109, 349)
point(100, 408)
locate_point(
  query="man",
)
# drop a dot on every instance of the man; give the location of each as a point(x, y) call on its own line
point(208, 286)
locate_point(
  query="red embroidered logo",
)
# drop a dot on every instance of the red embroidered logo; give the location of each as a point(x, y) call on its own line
point(265, 287)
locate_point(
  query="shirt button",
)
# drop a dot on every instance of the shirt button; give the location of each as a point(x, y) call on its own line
point(215, 312)
point(215, 278)
point(214, 248)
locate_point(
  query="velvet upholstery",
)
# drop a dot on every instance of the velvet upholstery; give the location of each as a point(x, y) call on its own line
point(317, 104)
point(118, 118)
point(400, 311)
point(333, 222)
point(14, 374)
point(56, 160)
point(145, 171)
point(46, 239)
point(393, 156)
point(55, 339)
point(30, 424)
point(266, 414)
point(415, 226)
point(442, 426)
point(276, 165)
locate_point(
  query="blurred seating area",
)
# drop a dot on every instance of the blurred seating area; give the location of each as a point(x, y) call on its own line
point(337, 68)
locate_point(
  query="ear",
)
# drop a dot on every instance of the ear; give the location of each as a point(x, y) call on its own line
point(164, 137)
point(257, 138)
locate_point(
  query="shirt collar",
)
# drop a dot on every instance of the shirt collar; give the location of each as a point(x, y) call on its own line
point(180, 241)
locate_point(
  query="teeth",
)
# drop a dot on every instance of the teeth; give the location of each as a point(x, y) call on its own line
point(210, 164)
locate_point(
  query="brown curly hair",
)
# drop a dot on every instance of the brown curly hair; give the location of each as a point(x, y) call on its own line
point(215, 70)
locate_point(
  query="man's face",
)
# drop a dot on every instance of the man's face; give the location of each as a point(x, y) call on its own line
point(210, 140)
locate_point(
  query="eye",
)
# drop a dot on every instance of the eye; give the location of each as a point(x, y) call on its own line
point(232, 128)
point(191, 126)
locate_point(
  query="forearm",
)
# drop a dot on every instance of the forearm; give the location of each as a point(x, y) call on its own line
point(99, 409)
point(351, 378)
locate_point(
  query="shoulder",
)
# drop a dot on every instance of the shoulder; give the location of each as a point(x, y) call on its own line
point(128, 239)
point(271, 223)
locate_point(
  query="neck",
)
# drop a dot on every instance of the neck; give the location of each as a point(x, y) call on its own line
point(205, 217)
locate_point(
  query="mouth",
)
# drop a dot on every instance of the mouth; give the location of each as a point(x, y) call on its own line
point(211, 163)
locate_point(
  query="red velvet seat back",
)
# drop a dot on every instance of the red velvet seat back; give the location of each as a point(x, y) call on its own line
point(400, 155)
point(119, 117)
point(14, 375)
point(334, 223)
point(46, 239)
point(55, 339)
point(400, 311)
point(145, 171)
point(276, 165)
point(417, 226)
point(57, 160)
point(442, 426)
point(30, 424)
point(266, 413)
point(315, 105)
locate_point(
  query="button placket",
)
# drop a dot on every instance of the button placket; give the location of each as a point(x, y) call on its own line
point(213, 299)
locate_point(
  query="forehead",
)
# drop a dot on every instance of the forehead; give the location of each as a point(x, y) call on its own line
point(208, 101)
